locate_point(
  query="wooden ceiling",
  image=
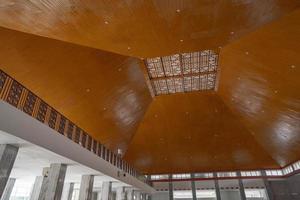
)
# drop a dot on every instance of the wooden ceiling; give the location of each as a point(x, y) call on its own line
point(251, 122)
point(194, 132)
point(261, 86)
point(143, 28)
point(101, 92)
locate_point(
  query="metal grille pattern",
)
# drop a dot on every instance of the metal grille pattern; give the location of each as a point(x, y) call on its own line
point(185, 72)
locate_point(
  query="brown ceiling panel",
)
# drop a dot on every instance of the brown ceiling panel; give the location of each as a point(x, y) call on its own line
point(260, 82)
point(194, 132)
point(143, 28)
point(104, 93)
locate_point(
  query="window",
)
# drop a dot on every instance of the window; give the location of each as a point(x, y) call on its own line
point(159, 177)
point(274, 172)
point(204, 175)
point(255, 193)
point(287, 170)
point(182, 194)
point(21, 190)
point(181, 176)
point(296, 165)
point(251, 173)
point(205, 194)
point(226, 174)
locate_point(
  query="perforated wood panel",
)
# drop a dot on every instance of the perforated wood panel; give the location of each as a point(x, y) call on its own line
point(185, 72)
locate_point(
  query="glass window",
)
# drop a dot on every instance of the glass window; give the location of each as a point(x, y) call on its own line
point(204, 175)
point(206, 194)
point(183, 194)
point(274, 172)
point(256, 193)
point(287, 170)
point(251, 173)
point(226, 174)
point(181, 176)
point(296, 165)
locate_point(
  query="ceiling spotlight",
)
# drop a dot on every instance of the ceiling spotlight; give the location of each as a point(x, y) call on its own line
point(275, 91)
point(178, 10)
point(128, 48)
point(293, 66)
point(120, 69)
point(220, 47)
point(247, 53)
point(106, 22)
point(231, 32)
point(88, 90)
point(181, 40)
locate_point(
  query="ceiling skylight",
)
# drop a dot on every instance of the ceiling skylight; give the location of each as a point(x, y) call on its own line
point(185, 72)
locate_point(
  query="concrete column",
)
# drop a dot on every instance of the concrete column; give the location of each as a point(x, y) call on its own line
point(35, 192)
point(70, 191)
point(44, 186)
point(99, 196)
point(241, 187)
point(267, 185)
point(217, 187)
point(137, 195)
point(120, 193)
point(8, 154)
point(86, 187)
point(193, 187)
point(8, 189)
point(171, 196)
point(106, 191)
point(56, 180)
point(129, 194)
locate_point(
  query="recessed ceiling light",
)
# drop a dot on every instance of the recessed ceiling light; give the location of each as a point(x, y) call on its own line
point(155, 116)
point(104, 108)
point(220, 47)
point(181, 40)
point(106, 22)
point(231, 32)
point(88, 90)
point(120, 69)
point(276, 91)
point(178, 10)
point(293, 66)
point(239, 78)
point(247, 53)
point(128, 48)
point(186, 113)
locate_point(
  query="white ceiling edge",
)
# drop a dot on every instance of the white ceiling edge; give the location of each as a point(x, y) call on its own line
point(30, 134)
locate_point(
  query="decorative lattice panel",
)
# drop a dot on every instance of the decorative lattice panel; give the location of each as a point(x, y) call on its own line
point(185, 72)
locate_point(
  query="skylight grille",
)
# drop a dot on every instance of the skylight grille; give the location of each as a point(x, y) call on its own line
point(185, 72)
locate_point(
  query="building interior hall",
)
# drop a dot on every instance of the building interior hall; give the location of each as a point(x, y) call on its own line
point(149, 100)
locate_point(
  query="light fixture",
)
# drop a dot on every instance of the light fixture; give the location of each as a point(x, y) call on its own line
point(181, 40)
point(293, 66)
point(247, 53)
point(231, 32)
point(88, 90)
point(128, 48)
point(178, 10)
point(106, 22)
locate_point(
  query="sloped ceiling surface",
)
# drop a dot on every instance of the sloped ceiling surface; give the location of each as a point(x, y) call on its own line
point(103, 93)
point(194, 132)
point(143, 28)
point(260, 83)
point(250, 122)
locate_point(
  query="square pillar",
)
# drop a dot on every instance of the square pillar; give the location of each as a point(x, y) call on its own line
point(137, 195)
point(106, 191)
point(36, 189)
point(171, 197)
point(193, 187)
point(86, 187)
point(56, 180)
point(217, 187)
point(267, 185)
point(8, 189)
point(241, 187)
point(120, 193)
point(129, 194)
point(8, 154)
